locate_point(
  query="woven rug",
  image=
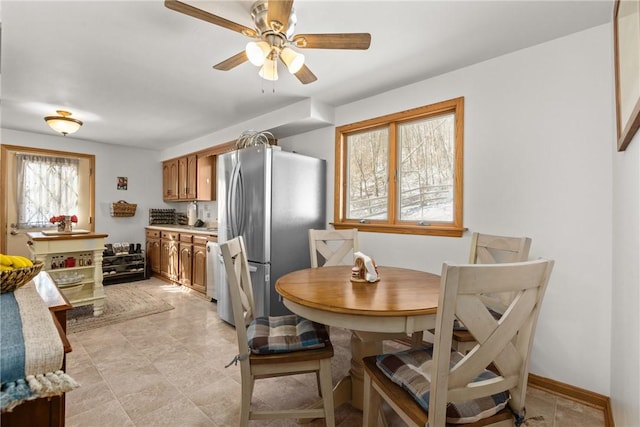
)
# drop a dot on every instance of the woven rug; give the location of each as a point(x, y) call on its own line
point(122, 302)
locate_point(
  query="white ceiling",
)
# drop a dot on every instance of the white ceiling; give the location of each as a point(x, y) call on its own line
point(139, 74)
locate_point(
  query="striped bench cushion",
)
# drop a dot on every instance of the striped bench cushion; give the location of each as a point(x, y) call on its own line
point(411, 369)
point(282, 334)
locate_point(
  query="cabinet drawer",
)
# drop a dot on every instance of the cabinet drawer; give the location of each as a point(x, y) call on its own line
point(153, 234)
point(170, 235)
point(200, 240)
point(186, 238)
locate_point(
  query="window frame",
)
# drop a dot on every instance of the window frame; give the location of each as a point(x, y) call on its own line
point(5, 158)
point(393, 224)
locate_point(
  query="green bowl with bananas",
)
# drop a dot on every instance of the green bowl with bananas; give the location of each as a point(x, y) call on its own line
point(12, 279)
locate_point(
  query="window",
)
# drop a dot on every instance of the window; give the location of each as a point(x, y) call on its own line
point(402, 173)
point(47, 186)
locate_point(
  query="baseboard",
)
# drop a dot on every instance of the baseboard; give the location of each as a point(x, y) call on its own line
point(583, 396)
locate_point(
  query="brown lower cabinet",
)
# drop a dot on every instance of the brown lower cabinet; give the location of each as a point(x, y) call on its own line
point(199, 266)
point(169, 255)
point(186, 259)
point(179, 257)
point(153, 250)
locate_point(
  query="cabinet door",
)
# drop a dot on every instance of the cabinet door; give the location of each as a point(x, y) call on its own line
point(185, 264)
point(183, 177)
point(174, 261)
point(164, 258)
point(206, 179)
point(192, 177)
point(153, 255)
point(170, 180)
point(199, 273)
point(169, 259)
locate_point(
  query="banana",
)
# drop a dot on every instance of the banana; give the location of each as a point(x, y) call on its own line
point(5, 267)
point(19, 261)
point(26, 261)
point(6, 260)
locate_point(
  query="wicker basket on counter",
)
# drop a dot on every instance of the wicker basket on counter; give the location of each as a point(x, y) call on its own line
point(122, 208)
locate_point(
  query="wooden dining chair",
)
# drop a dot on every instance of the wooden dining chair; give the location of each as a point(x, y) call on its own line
point(486, 249)
point(491, 249)
point(332, 247)
point(437, 385)
point(274, 346)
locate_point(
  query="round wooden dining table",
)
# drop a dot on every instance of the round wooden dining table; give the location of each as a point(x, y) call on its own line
point(403, 301)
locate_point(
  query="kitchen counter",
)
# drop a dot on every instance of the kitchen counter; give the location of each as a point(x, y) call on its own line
point(53, 236)
point(184, 228)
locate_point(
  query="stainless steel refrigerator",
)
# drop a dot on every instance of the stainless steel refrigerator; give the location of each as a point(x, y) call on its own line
point(271, 198)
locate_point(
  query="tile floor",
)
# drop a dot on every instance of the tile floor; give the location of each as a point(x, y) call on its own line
point(167, 369)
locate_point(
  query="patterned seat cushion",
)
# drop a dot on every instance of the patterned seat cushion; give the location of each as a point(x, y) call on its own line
point(411, 370)
point(282, 334)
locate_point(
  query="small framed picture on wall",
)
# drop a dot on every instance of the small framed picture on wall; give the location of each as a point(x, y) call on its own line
point(122, 182)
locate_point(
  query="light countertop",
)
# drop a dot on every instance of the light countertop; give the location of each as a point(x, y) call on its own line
point(184, 228)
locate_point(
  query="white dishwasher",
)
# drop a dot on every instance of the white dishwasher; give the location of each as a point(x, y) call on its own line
point(217, 286)
point(213, 253)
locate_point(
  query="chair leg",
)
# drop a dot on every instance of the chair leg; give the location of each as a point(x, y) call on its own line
point(245, 401)
point(318, 384)
point(416, 339)
point(371, 403)
point(326, 389)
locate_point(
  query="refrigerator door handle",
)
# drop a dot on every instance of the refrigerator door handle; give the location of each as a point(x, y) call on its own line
point(232, 202)
point(240, 211)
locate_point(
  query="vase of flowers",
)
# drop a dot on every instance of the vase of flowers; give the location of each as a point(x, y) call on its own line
point(65, 222)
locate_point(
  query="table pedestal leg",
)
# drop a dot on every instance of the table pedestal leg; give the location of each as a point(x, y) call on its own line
point(360, 347)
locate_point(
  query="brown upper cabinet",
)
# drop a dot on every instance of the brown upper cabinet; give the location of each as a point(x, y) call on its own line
point(190, 177)
point(170, 180)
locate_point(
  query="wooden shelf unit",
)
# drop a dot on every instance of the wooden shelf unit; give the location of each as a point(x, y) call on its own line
point(45, 248)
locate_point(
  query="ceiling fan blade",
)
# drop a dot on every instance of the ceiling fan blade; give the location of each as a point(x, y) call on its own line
point(278, 12)
point(333, 41)
point(305, 75)
point(232, 62)
point(178, 6)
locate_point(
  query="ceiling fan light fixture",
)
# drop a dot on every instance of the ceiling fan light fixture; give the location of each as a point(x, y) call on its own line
point(257, 52)
point(292, 59)
point(63, 123)
point(269, 70)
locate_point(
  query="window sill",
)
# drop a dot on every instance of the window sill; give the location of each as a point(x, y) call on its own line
point(444, 230)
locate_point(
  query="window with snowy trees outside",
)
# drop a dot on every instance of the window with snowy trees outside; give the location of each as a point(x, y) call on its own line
point(402, 173)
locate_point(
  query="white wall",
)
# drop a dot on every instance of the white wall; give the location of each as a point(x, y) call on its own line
point(141, 167)
point(538, 162)
point(625, 339)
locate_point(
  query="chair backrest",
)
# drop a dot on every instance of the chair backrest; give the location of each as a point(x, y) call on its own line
point(332, 247)
point(505, 343)
point(240, 287)
point(488, 249)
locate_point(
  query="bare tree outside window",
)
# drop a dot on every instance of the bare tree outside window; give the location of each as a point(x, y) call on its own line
point(368, 174)
point(426, 169)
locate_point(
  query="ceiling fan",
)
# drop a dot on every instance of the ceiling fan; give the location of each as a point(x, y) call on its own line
point(274, 22)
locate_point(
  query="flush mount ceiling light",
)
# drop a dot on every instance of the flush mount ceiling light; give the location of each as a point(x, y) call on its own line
point(63, 123)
